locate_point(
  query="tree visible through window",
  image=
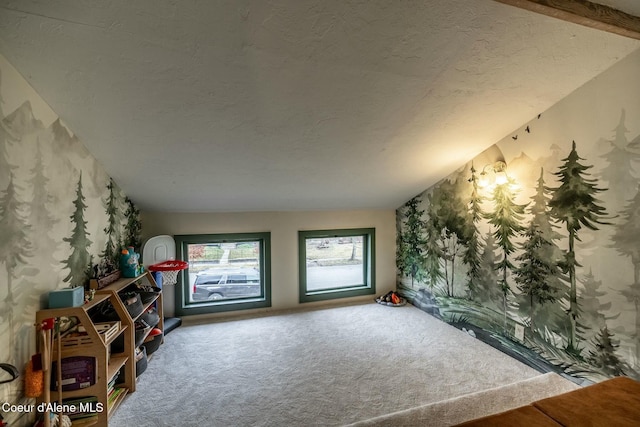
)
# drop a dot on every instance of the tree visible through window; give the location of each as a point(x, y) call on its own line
point(226, 272)
point(336, 263)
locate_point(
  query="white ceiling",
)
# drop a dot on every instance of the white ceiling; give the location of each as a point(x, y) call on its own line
point(241, 105)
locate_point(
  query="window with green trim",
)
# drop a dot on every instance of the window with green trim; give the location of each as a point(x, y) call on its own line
point(226, 272)
point(336, 263)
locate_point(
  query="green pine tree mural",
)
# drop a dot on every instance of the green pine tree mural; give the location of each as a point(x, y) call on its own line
point(433, 252)
point(452, 214)
point(133, 227)
point(538, 274)
point(592, 309)
point(506, 219)
point(14, 245)
point(488, 293)
point(604, 356)
point(36, 277)
point(472, 251)
point(625, 240)
point(111, 250)
point(632, 294)
point(531, 275)
point(410, 255)
point(574, 204)
point(620, 173)
point(6, 168)
point(79, 262)
point(41, 220)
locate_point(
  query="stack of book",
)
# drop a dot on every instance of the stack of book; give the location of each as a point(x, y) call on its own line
point(112, 383)
point(113, 396)
point(112, 391)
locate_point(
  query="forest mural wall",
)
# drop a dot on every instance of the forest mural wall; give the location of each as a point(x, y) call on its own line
point(60, 215)
point(534, 245)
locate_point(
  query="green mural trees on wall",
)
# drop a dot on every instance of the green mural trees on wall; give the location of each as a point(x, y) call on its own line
point(506, 218)
point(41, 161)
point(523, 276)
point(538, 275)
point(592, 309)
point(133, 227)
point(556, 284)
point(472, 252)
point(79, 261)
point(410, 253)
point(111, 250)
point(14, 245)
point(604, 356)
point(625, 241)
point(452, 220)
point(621, 159)
point(433, 251)
point(574, 204)
point(41, 219)
point(487, 293)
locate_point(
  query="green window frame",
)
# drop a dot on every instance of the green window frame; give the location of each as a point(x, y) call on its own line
point(186, 305)
point(354, 280)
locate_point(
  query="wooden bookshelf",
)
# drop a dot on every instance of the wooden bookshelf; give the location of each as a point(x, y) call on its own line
point(95, 341)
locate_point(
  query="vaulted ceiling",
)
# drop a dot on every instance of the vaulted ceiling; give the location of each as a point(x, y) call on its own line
point(243, 105)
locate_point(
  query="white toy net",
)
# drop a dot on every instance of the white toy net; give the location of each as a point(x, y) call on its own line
point(169, 270)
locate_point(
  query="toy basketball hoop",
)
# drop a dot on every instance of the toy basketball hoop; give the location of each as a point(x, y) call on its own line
point(169, 270)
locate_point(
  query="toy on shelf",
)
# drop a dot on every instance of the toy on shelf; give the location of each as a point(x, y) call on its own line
point(130, 263)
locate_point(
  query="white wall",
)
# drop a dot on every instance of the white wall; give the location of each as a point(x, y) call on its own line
point(284, 227)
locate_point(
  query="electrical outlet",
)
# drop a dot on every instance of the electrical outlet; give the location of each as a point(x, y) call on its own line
point(519, 332)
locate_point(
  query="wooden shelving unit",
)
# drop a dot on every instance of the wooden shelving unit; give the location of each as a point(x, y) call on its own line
point(97, 345)
point(115, 289)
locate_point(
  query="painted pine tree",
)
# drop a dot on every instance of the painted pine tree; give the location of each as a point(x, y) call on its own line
point(133, 227)
point(79, 261)
point(14, 245)
point(574, 203)
point(451, 213)
point(6, 168)
point(538, 274)
point(632, 294)
point(411, 253)
point(36, 278)
point(620, 174)
point(604, 356)
point(433, 254)
point(592, 309)
point(111, 250)
point(42, 222)
point(625, 240)
point(506, 219)
point(472, 251)
point(531, 274)
point(488, 293)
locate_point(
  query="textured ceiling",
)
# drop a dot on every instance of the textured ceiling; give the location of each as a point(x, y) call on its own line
point(294, 104)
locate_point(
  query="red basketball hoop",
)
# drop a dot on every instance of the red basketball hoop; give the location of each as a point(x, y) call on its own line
point(169, 270)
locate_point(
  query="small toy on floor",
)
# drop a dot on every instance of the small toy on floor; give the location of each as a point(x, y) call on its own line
point(391, 298)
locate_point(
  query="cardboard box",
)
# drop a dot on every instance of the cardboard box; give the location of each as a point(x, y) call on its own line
point(67, 297)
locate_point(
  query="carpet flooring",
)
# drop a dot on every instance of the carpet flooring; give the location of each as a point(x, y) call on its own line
point(325, 367)
point(475, 405)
